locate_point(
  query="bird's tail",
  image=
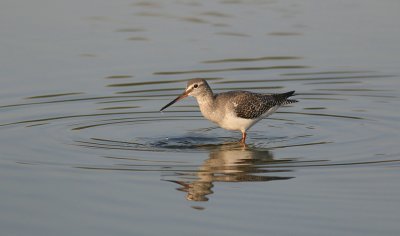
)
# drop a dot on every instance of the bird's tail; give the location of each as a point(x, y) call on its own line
point(288, 101)
point(283, 97)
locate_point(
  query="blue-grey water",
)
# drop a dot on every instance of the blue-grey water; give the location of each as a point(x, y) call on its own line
point(84, 149)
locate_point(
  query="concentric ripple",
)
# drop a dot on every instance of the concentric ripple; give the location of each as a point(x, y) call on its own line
point(129, 134)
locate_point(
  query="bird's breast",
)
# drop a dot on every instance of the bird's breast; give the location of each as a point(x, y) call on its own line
point(209, 112)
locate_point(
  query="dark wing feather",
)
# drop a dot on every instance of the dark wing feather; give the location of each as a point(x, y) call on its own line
point(253, 105)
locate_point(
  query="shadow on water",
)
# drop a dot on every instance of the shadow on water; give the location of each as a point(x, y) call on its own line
point(228, 162)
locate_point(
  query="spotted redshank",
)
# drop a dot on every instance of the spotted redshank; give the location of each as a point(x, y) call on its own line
point(233, 110)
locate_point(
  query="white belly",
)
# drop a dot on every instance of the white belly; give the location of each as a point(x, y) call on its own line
point(235, 123)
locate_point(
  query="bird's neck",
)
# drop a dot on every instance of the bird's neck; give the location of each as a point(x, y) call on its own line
point(206, 103)
point(206, 99)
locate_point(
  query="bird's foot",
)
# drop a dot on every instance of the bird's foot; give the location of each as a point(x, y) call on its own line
point(243, 142)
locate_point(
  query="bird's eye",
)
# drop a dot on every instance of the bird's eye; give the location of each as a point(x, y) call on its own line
point(196, 85)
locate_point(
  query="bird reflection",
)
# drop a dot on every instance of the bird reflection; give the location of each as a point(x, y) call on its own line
point(230, 162)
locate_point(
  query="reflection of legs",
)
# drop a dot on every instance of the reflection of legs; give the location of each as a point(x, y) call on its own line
point(243, 140)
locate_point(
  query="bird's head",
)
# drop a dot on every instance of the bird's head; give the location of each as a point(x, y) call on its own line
point(194, 88)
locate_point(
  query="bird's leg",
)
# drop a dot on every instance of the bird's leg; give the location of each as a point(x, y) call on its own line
point(243, 140)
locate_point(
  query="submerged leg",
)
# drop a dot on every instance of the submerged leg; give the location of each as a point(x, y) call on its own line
point(243, 140)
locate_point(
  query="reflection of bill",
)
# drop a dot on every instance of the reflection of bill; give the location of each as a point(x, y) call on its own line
point(230, 162)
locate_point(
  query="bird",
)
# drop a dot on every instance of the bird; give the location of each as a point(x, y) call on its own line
point(233, 110)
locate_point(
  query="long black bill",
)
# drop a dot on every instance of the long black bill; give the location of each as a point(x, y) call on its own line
point(183, 95)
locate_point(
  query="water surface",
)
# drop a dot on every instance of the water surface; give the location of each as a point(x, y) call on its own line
point(85, 150)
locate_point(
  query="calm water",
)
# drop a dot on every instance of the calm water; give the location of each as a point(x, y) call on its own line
point(84, 150)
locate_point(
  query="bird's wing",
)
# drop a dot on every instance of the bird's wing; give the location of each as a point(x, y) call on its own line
point(253, 105)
